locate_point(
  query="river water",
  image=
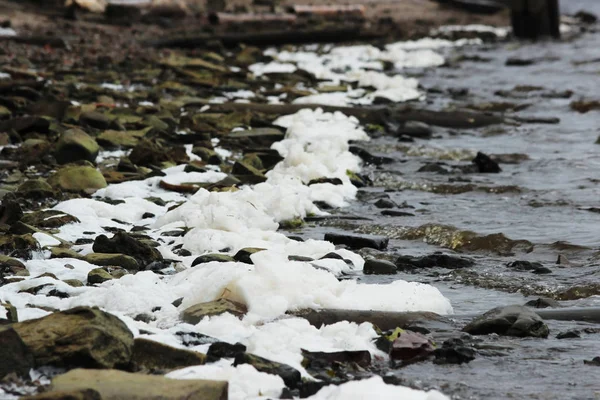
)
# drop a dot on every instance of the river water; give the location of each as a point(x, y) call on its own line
point(538, 208)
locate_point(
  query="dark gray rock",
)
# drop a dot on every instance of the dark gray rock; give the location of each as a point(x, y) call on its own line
point(123, 243)
point(408, 263)
point(358, 241)
point(543, 302)
point(514, 320)
point(379, 267)
point(291, 376)
point(385, 203)
point(415, 129)
point(15, 357)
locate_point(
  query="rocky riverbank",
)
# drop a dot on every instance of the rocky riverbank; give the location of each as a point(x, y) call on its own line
point(157, 208)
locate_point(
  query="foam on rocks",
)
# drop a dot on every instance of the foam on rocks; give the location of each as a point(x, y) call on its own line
point(316, 145)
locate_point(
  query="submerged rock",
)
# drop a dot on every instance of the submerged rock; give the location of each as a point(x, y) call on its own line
point(358, 241)
point(194, 314)
point(485, 164)
point(415, 129)
point(543, 302)
point(408, 263)
point(79, 337)
point(152, 356)
point(454, 351)
point(514, 320)
point(117, 385)
point(535, 267)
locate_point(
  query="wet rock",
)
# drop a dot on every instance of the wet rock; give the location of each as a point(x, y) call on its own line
point(439, 260)
point(263, 137)
point(194, 314)
point(220, 350)
point(586, 17)
point(20, 246)
point(584, 106)
point(396, 213)
point(71, 339)
point(95, 119)
point(514, 320)
point(404, 345)
point(35, 189)
point(485, 164)
point(10, 210)
point(572, 334)
point(358, 241)
point(77, 178)
point(74, 145)
point(84, 394)
point(113, 260)
point(379, 267)
point(595, 362)
point(454, 351)
point(121, 139)
point(98, 275)
point(123, 243)
point(247, 174)
point(15, 355)
point(415, 129)
point(535, 267)
point(152, 356)
point(436, 168)
point(320, 359)
point(244, 255)
point(116, 385)
point(212, 257)
point(59, 252)
point(369, 158)
point(333, 181)
point(543, 302)
point(291, 377)
point(520, 62)
point(385, 203)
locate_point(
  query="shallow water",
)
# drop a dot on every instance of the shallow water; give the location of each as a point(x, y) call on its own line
point(540, 202)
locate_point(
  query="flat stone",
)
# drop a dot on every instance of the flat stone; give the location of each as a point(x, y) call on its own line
point(118, 385)
point(439, 260)
point(113, 260)
point(149, 355)
point(71, 339)
point(358, 241)
point(514, 320)
point(194, 314)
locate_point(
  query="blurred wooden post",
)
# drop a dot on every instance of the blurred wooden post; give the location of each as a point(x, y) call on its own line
point(532, 19)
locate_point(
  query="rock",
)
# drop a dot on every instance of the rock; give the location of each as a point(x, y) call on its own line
point(48, 219)
point(74, 145)
point(520, 62)
point(405, 345)
point(220, 350)
point(212, 257)
point(121, 139)
point(485, 164)
point(59, 252)
point(318, 359)
point(535, 267)
point(10, 210)
point(454, 351)
point(514, 320)
point(396, 213)
point(207, 155)
point(77, 178)
point(415, 129)
point(36, 189)
point(84, 394)
point(247, 174)
point(584, 106)
point(358, 241)
point(369, 158)
point(244, 255)
point(20, 246)
point(263, 137)
point(379, 267)
point(572, 334)
point(118, 385)
point(95, 119)
point(12, 266)
point(14, 354)
point(152, 356)
point(291, 377)
point(543, 302)
point(439, 260)
point(332, 181)
point(595, 361)
point(79, 337)
point(123, 243)
point(586, 17)
point(97, 276)
point(385, 203)
point(194, 314)
point(113, 260)
point(154, 153)
point(289, 224)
